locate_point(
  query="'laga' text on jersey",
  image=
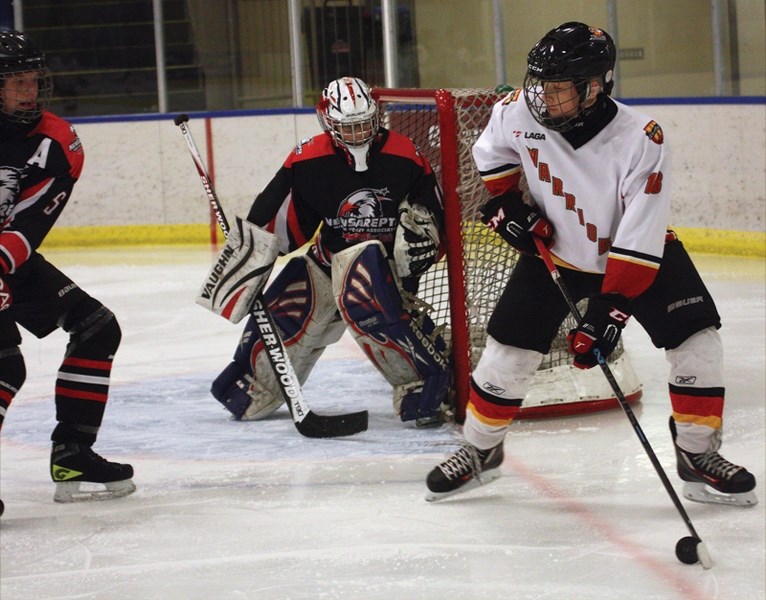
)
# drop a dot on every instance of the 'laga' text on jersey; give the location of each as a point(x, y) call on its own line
point(570, 202)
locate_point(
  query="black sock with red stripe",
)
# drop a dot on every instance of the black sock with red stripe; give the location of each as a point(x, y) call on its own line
point(82, 385)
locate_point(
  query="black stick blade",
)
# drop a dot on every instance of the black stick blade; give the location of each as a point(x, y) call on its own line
point(181, 119)
point(331, 426)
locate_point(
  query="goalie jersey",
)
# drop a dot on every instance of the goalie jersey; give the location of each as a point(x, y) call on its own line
point(316, 191)
point(608, 202)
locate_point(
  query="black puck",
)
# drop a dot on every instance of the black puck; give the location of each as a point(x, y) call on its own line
point(686, 550)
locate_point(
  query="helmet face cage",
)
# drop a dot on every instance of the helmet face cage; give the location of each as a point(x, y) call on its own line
point(541, 105)
point(573, 52)
point(348, 112)
point(10, 94)
point(26, 84)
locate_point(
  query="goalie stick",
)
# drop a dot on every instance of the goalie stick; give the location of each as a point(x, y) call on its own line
point(700, 548)
point(307, 422)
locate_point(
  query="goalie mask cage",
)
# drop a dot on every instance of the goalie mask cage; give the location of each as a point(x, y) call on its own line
point(463, 288)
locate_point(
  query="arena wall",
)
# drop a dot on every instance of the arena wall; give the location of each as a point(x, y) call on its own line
point(139, 185)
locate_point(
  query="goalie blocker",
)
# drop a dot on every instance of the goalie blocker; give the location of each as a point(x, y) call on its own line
point(240, 272)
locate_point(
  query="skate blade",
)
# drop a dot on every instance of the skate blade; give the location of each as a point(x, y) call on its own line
point(699, 492)
point(72, 491)
point(486, 477)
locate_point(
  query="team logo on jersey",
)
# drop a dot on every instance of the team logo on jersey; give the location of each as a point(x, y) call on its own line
point(654, 132)
point(361, 216)
point(303, 142)
point(512, 96)
point(76, 144)
point(10, 185)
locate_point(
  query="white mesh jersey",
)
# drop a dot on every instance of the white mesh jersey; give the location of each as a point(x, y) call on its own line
point(607, 200)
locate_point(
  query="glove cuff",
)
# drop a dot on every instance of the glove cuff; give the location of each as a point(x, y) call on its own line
point(615, 305)
point(507, 200)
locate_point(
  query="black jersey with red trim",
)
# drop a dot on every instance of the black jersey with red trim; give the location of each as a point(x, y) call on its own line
point(317, 188)
point(39, 166)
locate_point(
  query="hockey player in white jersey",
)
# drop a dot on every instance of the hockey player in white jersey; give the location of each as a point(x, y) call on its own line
point(598, 174)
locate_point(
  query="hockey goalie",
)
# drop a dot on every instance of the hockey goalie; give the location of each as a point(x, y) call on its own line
point(367, 207)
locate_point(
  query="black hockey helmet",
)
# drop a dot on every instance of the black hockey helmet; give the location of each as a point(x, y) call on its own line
point(571, 52)
point(19, 54)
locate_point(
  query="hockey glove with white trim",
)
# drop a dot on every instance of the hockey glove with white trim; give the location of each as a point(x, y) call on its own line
point(416, 243)
point(516, 222)
point(601, 327)
point(6, 298)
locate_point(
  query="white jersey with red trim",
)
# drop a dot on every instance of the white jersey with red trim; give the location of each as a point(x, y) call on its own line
point(607, 199)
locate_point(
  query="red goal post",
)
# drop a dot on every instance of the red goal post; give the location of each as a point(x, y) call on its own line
point(462, 289)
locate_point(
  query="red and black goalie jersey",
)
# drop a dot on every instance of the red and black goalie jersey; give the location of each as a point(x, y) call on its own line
point(316, 188)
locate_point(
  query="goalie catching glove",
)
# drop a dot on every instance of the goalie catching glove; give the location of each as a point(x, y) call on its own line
point(516, 222)
point(601, 327)
point(416, 243)
point(240, 272)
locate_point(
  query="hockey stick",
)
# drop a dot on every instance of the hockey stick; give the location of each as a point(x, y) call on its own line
point(694, 547)
point(308, 423)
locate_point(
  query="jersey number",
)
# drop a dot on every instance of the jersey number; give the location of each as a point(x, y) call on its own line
point(654, 183)
point(53, 204)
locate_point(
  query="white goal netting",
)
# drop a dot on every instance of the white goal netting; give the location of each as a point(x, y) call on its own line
point(463, 288)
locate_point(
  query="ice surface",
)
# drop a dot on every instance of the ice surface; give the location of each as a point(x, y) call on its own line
point(231, 510)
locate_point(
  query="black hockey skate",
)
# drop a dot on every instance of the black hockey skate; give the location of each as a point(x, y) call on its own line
point(466, 469)
point(709, 477)
point(74, 464)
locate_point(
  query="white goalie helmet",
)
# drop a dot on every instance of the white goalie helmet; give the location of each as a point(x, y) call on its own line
point(349, 114)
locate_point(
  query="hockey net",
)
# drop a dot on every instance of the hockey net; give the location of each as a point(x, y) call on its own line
point(463, 288)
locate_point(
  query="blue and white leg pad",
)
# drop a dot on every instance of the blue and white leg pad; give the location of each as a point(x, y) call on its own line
point(402, 345)
point(301, 302)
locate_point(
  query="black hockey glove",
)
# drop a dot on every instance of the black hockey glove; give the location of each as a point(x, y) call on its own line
point(6, 298)
point(600, 328)
point(516, 222)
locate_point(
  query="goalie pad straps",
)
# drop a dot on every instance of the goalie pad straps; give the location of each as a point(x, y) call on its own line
point(301, 302)
point(416, 242)
point(404, 347)
point(240, 272)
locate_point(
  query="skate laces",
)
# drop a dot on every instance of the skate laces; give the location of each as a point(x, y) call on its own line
point(464, 461)
point(714, 463)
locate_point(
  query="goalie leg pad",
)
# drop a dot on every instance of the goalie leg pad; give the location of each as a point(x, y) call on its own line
point(424, 401)
point(404, 346)
point(230, 389)
point(300, 300)
point(240, 272)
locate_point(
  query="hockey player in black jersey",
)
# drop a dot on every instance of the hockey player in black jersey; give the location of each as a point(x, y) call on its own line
point(367, 207)
point(40, 160)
